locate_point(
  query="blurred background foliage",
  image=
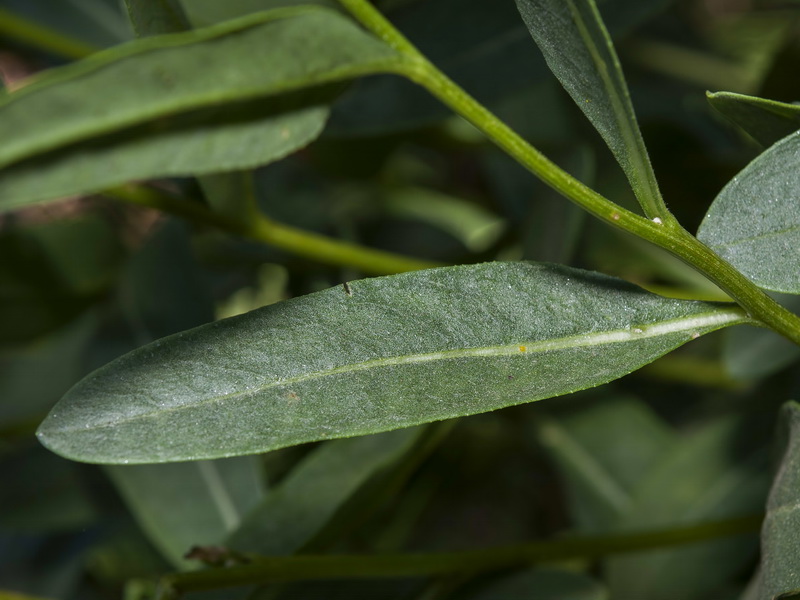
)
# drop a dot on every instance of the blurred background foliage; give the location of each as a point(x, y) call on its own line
point(687, 439)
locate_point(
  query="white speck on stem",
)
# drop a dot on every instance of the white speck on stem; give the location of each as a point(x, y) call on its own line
point(657, 221)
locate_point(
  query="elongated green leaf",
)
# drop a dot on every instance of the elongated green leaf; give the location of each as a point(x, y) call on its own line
point(375, 355)
point(780, 535)
point(767, 121)
point(297, 510)
point(578, 49)
point(226, 97)
point(186, 504)
point(152, 17)
point(754, 223)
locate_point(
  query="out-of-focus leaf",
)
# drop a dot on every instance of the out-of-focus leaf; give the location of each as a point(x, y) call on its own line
point(486, 50)
point(542, 584)
point(152, 17)
point(26, 396)
point(51, 272)
point(603, 452)
point(98, 23)
point(231, 194)
point(717, 472)
point(754, 223)
point(162, 289)
point(186, 504)
point(373, 355)
point(291, 514)
point(42, 493)
point(471, 224)
point(767, 121)
point(578, 49)
point(751, 352)
point(780, 535)
point(204, 101)
point(207, 12)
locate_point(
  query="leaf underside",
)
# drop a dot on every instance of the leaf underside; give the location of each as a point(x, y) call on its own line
point(377, 355)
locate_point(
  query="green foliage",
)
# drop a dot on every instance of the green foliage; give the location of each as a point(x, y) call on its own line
point(205, 328)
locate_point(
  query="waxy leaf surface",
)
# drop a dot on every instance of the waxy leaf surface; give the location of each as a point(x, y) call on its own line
point(754, 223)
point(767, 121)
point(578, 49)
point(374, 355)
point(232, 96)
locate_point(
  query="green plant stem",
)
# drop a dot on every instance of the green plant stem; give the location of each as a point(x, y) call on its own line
point(664, 232)
point(308, 567)
point(291, 239)
point(21, 30)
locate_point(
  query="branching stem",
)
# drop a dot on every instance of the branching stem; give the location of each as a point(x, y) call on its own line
point(664, 232)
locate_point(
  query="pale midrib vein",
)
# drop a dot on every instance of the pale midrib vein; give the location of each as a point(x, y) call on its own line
point(622, 110)
point(695, 324)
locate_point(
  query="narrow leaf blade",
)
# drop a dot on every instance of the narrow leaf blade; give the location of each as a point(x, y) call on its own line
point(767, 121)
point(579, 51)
point(375, 355)
point(210, 100)
point(754, 223)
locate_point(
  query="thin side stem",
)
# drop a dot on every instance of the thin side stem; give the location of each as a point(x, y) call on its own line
point(43, 38)
point(264, 570)
point(666, 233)
point(291, 239)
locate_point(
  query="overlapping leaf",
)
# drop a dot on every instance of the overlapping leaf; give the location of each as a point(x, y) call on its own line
point(375, 355)
point(767, 121)
point(232, 96)
point(578, 50)
point(754, 223)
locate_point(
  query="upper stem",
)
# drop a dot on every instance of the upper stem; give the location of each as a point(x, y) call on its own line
point(664, 232)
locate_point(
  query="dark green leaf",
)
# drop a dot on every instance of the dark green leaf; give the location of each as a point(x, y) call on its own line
point(375, 355)
point(186, 504)
point(767, 121)
point(754, 223)
point(578, 49)
point(99, 23)
point(717, 472)
point(543, 584)
point(780, 535)
point(175, 105)
point(42, 493)
point(26, 396)
point(294, 512)
point(152, 17)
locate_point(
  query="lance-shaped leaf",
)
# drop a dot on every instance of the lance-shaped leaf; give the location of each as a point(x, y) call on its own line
point(754, 223)
point(372, 355)
point(579, 51)
point(232, 96)
point(767, 121)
